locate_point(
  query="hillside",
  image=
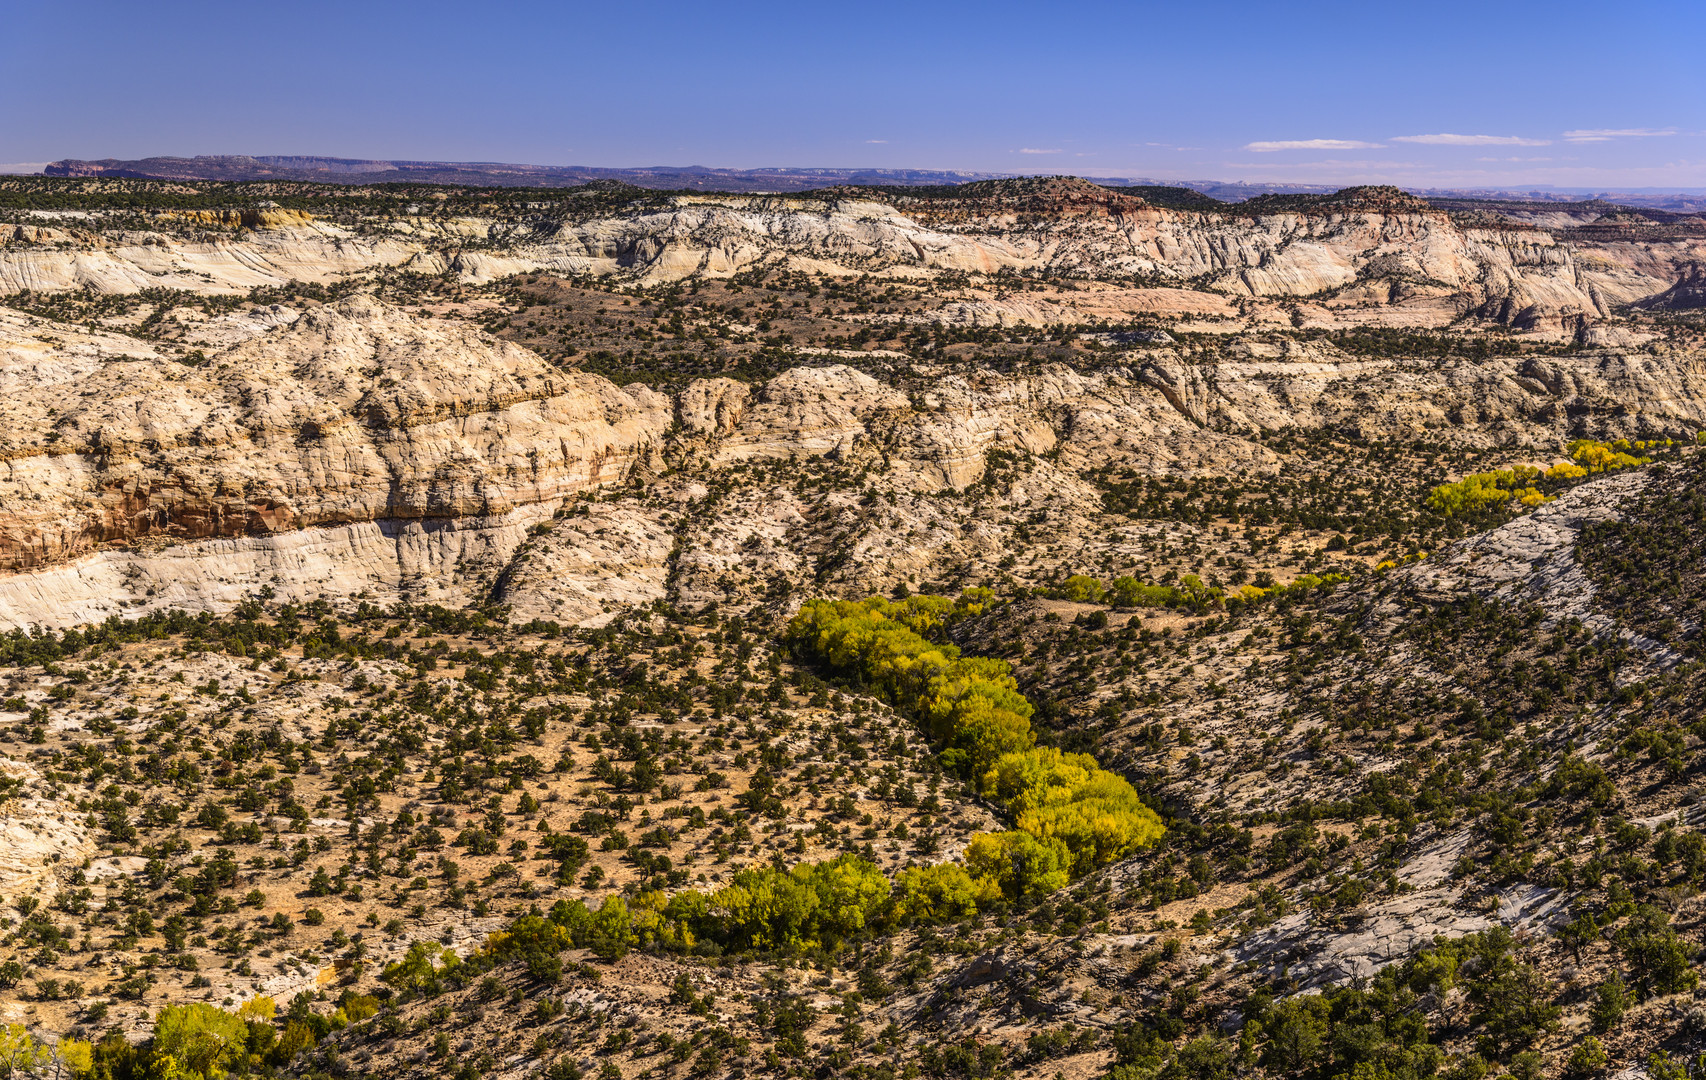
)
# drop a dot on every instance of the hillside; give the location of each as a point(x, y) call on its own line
point(1269, 649)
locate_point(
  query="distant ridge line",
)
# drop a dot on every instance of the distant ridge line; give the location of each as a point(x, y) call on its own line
point(233, 168)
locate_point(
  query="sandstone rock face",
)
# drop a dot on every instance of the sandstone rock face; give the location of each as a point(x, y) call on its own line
point(434, 560)
point(56, 261)
point(1418, 265)
point(1406, 258)
point(809, 411)
point(1181, 384)
point(613, 555)
point(940, 440)
point(1532, 560)
point(714, 236)
point(359, 450)
point(1537, 401)
point(246, 219)
point(713, 406)
point(351, 414)
point(1688, 294)
point(37, 832)
point(1302, 947)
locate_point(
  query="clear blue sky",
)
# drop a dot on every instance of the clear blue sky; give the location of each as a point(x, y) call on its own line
point(1449, 93)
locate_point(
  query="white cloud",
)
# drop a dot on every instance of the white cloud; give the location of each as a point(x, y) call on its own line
point(1311, 144)
point(1605, 134)
point(876, 142)
point(16, 167)
point(1448, 139)
point(1028, 150)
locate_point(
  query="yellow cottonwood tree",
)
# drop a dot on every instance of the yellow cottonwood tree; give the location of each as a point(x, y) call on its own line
point(20, 1054)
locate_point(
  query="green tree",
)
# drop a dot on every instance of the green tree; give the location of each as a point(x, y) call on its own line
point(1083, 588)
point(1610, 1001)
point(415, 971)
point(611, 930)
point(1297, 1030)
point(1512, 1000)
point(72, 1058)
point(1527, 1065)
point(1660, 960)
point(1203, 1058)
point(1019, 864)
point(929, 894)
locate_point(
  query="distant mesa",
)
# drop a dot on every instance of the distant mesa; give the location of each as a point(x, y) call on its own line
point(1181, 195)
point(1382, 198)
point(241, 167)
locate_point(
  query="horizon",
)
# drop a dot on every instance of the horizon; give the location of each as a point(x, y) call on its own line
point(1196, 183)
point(1320, 94)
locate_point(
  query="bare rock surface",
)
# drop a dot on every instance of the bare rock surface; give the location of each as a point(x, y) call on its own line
point(1311, 952)
point(613, 555)
point(353, 413)
point(37, 832)
point(1419, 267)
point(357, 449)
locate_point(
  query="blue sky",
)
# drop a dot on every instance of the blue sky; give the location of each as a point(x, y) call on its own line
point(1452, 94)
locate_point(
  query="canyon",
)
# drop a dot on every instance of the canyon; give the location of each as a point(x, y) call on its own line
point(385, 570)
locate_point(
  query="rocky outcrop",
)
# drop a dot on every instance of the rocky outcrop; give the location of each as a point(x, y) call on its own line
point(1182, 385)
point(1399, 256)
point(132, 262)
point(807, 411)
point(359, 450)
point(1532, 560)
point(605, 557)
point(1537, 401)
point(1688, 294)
point(1352, 254)
point(258, 218)
point(1309, 952)
point(352, 414)
point(434, 560)
point(38, 832)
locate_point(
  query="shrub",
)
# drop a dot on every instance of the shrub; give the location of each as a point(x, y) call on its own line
point(1587, 1058)
point(1611, 1000)
point(1660, 959)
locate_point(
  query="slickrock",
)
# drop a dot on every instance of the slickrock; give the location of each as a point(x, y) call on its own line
point(37, 833)
point(353, 413)
point(1417, 265)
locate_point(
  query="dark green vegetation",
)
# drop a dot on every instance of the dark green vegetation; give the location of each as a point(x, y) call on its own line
point(1369, 496)
point(1176, 198)
point(130, 203)
point(1648, 565)
point(759, 323)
